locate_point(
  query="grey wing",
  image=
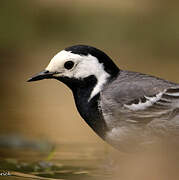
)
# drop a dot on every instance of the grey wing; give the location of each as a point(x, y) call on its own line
point(138, 98)
point(168, 98)
point(163, 105)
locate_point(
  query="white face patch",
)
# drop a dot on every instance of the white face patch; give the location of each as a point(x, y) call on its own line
point(84, 66)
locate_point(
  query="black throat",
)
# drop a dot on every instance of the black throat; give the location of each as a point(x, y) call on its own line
point(89, 110)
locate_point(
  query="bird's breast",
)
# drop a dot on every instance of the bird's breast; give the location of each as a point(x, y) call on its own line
point(90, 112)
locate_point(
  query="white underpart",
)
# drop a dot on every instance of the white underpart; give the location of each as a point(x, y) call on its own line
point(84, 66)
point(143, 105)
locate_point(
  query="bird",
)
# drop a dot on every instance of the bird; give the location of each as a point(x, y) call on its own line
point(126, 109)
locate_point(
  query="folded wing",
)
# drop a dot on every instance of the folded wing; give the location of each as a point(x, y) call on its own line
point(169, 98)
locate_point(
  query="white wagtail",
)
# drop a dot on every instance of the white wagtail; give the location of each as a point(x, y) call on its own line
point(120, 106)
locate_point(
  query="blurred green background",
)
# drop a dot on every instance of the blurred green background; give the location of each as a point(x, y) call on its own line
point(140, 35)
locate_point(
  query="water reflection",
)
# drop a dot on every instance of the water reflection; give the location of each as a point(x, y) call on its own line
point(70, 161)
point(89, 162)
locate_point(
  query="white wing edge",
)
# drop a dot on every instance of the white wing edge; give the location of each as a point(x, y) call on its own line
point(170, 96)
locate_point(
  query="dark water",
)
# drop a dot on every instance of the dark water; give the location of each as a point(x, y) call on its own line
point(67, 161)
point(90, 162)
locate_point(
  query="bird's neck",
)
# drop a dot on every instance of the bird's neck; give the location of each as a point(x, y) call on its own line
point(90, 112)
point(88, 107)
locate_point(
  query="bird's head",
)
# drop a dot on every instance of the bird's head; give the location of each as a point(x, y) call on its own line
point(77, 63)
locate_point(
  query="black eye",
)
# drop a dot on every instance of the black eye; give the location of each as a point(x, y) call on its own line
point(69, 64)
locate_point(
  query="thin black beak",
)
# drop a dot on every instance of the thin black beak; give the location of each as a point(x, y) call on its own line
point(42, 75)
